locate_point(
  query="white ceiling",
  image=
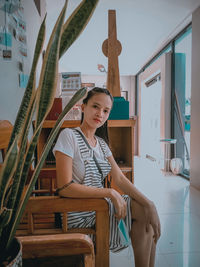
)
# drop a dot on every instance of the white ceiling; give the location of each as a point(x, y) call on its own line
point(142, 27)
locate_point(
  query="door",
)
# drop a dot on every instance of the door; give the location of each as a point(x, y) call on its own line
point(151, 90)
point(154, 108)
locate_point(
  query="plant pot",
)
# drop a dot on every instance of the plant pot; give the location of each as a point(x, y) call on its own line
point(14, 255)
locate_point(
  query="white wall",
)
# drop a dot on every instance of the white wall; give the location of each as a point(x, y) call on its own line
point(10, 92)
point(195, 100)
point(142, 26)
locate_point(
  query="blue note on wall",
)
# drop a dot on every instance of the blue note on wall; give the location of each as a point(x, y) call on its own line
point(6, 39)
point(23, 80)
point(10, 7)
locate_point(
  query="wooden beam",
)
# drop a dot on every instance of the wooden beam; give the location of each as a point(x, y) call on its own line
point(112, 48)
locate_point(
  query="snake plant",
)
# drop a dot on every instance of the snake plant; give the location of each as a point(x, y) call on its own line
point(36, 102)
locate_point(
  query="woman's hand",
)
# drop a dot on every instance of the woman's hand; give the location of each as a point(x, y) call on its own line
point(153, 219)
point(119, 204)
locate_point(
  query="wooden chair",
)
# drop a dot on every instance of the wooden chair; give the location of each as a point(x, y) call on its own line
point(38, 224)
point(5, 132)
point(39, 220)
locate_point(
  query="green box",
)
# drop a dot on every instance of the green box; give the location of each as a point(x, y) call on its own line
point(120, 110)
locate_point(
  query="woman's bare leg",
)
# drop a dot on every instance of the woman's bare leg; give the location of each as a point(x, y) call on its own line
point(153, 254)
point(142, 241)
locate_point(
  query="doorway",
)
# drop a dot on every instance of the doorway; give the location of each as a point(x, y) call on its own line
point(151, 90)
point(154, 108)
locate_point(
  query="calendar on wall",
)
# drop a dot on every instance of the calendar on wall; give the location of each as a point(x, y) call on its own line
point(70, 81)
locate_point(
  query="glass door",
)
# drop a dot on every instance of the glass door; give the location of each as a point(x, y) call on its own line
point(182, 96)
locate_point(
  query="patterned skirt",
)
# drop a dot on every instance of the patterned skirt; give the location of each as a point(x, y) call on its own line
point(87, 220)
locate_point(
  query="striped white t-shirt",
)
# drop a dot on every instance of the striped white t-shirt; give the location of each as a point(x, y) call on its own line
point(67, 144)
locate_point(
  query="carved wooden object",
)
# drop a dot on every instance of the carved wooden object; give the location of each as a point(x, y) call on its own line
point(111, 48)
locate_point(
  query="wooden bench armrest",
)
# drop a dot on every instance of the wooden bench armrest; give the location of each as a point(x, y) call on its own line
point(62, 245)
point(48, 204)
point(56, 245)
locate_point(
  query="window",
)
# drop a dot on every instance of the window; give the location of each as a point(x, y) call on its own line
point(182, 96)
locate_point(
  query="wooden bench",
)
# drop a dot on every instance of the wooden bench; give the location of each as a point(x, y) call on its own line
point(38, 226)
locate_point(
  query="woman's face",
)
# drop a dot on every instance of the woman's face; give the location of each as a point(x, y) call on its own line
point(97, 110)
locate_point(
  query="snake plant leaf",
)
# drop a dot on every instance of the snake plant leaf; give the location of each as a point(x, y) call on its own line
point(44, 100)
point(78, 96)
point(8, 169)
point(46, 88)
point(19, 178)
point(5, 215)
point(76, 23)
point(48, 77)
point(30, 86)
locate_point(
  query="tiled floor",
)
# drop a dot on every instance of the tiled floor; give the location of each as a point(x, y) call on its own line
point(178, 206)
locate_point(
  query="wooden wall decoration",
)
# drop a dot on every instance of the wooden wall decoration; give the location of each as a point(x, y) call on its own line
point(112, 48)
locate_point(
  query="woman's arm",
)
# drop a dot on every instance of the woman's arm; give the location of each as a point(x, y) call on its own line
point(74, 190)
point(125, 185)
point(128, 188)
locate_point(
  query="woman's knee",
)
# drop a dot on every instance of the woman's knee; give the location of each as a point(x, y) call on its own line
point(137, 212)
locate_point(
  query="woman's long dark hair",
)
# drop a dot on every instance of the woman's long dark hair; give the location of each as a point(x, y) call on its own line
point(103, 130)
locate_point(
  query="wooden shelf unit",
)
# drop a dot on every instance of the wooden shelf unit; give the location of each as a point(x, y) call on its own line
point(121, 139)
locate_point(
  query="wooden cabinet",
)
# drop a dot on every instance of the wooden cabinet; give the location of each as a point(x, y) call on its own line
point(121, 139)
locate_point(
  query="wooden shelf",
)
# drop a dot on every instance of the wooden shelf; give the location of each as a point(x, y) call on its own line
point(124, 168)
point(76, 123)
point(49, 167)
point(66, 124)
point(121, 123)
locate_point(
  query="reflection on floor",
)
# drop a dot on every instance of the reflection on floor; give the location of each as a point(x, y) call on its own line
point(178, 206)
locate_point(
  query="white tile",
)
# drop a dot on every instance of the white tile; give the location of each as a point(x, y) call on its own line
point(194, 200)
point(179, 210)
point(124, 258)
point(161, 261)
point(180, 233)
point(183, 260)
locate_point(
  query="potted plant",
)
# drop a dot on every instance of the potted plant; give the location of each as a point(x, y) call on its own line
point(38, 102)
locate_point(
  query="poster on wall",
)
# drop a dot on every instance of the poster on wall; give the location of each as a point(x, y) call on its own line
point(70, 81)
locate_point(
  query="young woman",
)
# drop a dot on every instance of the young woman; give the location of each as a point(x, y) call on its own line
point(83, 160)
